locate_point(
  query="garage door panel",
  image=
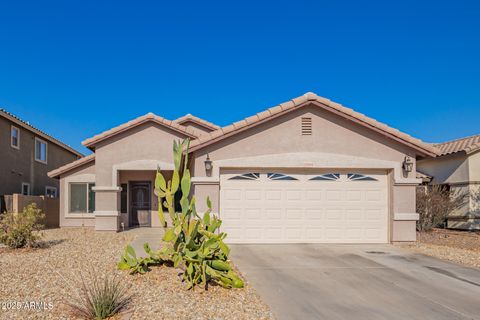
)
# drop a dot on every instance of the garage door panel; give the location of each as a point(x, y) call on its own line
point(273, 194)
point(294, 233)
point(315, 195)
point(253, 194)
point(293, 195)
point(339, 210)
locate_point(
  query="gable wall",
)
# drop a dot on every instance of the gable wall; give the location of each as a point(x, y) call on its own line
point(148, 141)
point(331, 134)
point(446, 169)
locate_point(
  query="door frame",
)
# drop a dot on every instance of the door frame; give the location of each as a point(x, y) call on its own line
point(129, 202)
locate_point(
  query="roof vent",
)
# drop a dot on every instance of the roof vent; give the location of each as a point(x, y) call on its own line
point(306, 126)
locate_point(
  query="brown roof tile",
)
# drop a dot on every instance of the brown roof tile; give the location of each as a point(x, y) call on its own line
point(467, 145)
point(135, 122)
point(212, 137)
point(200, 121)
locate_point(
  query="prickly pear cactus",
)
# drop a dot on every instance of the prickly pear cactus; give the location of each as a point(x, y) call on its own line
point(191, 242)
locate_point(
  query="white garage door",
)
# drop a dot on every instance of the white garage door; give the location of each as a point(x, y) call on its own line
point(280, 207)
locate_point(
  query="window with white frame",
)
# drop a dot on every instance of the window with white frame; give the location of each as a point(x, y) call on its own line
point(50, 192)
point(40, 150)
point(26, 189)
point(82, 197)
point(15, 137)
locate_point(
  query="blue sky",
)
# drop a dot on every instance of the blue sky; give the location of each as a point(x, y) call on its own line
point(77, 68)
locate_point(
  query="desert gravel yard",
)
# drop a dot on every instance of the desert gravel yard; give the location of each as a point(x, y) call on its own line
point(462, 247)
point(47, 274)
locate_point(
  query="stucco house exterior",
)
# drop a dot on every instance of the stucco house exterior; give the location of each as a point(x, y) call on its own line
point(305, 171)
point(458, 167)
point(27, 155)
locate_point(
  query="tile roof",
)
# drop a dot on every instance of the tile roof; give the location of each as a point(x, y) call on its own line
point(467, 145)
point(222, 133)
point(200, 121)
point(70, 166)
point(37, 131)
point(136, 122)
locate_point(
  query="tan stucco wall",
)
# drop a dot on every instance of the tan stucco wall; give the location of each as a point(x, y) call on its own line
point(146, 142)
point(474, 166)
point(144, 147)
point(331, 134)
point(335, 143)
point(446, 169)
point(334, 140)
point(22, 162)
point(462, 172)
point(85, 173)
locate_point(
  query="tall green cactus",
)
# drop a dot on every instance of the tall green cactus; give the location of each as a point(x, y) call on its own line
point(192, 242)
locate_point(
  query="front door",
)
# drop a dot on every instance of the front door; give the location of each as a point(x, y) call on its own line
point(140, 204)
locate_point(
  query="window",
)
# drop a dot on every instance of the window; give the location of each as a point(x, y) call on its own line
point(327, 177)
point(82, 198)
point(26, 189)
point(15, 137)
point(40, 150)
point(124, 198)
point(247, 176)
point(51, 192)
point(279, 176)
point(359, 177)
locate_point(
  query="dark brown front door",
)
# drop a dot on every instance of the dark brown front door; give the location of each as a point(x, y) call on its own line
point(140, 203)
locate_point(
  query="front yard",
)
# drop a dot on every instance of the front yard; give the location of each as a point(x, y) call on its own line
point(51, 273)
point(461, 247)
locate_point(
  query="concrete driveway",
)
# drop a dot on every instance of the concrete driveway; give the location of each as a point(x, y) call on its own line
point(358, 282)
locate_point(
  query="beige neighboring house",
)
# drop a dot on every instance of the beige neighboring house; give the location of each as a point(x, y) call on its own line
point(306, 171)
point(458, 167)
point(28, 154)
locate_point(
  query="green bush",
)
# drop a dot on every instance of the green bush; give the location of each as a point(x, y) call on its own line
point(18, 230)
point(192, 243)
point(100, 298)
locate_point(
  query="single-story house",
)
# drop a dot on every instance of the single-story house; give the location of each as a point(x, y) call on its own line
point(306, 171)
point(458, 167)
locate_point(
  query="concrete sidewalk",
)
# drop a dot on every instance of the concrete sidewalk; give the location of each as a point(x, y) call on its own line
point(152, 236)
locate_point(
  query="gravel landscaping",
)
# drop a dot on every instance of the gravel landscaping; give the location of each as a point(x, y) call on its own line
point(461, 247)
point(50, 274)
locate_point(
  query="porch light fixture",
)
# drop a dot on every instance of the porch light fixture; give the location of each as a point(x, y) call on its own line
point(208, 165)
point(408, 164)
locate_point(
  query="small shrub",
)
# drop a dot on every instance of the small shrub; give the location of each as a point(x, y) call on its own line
point(434, 203)
point(18, 230)
point(100, 298)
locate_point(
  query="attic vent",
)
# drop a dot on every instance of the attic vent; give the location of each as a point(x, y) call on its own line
point(306, 126)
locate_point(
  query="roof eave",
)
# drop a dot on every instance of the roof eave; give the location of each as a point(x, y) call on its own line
point(36, 131)
point(310, 100)
point(56, 173)
point(91, 142)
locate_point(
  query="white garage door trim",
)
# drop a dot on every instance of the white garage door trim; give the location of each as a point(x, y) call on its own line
point(277, 206)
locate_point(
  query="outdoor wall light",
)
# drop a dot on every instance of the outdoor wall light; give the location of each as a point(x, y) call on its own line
point(208, 165)
point(408, 164)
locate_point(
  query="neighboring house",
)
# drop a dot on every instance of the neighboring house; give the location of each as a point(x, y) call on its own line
point(307, 171)
point(27, 155)
point(458, 167)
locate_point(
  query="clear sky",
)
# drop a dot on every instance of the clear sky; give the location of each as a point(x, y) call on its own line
point(77, 68)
